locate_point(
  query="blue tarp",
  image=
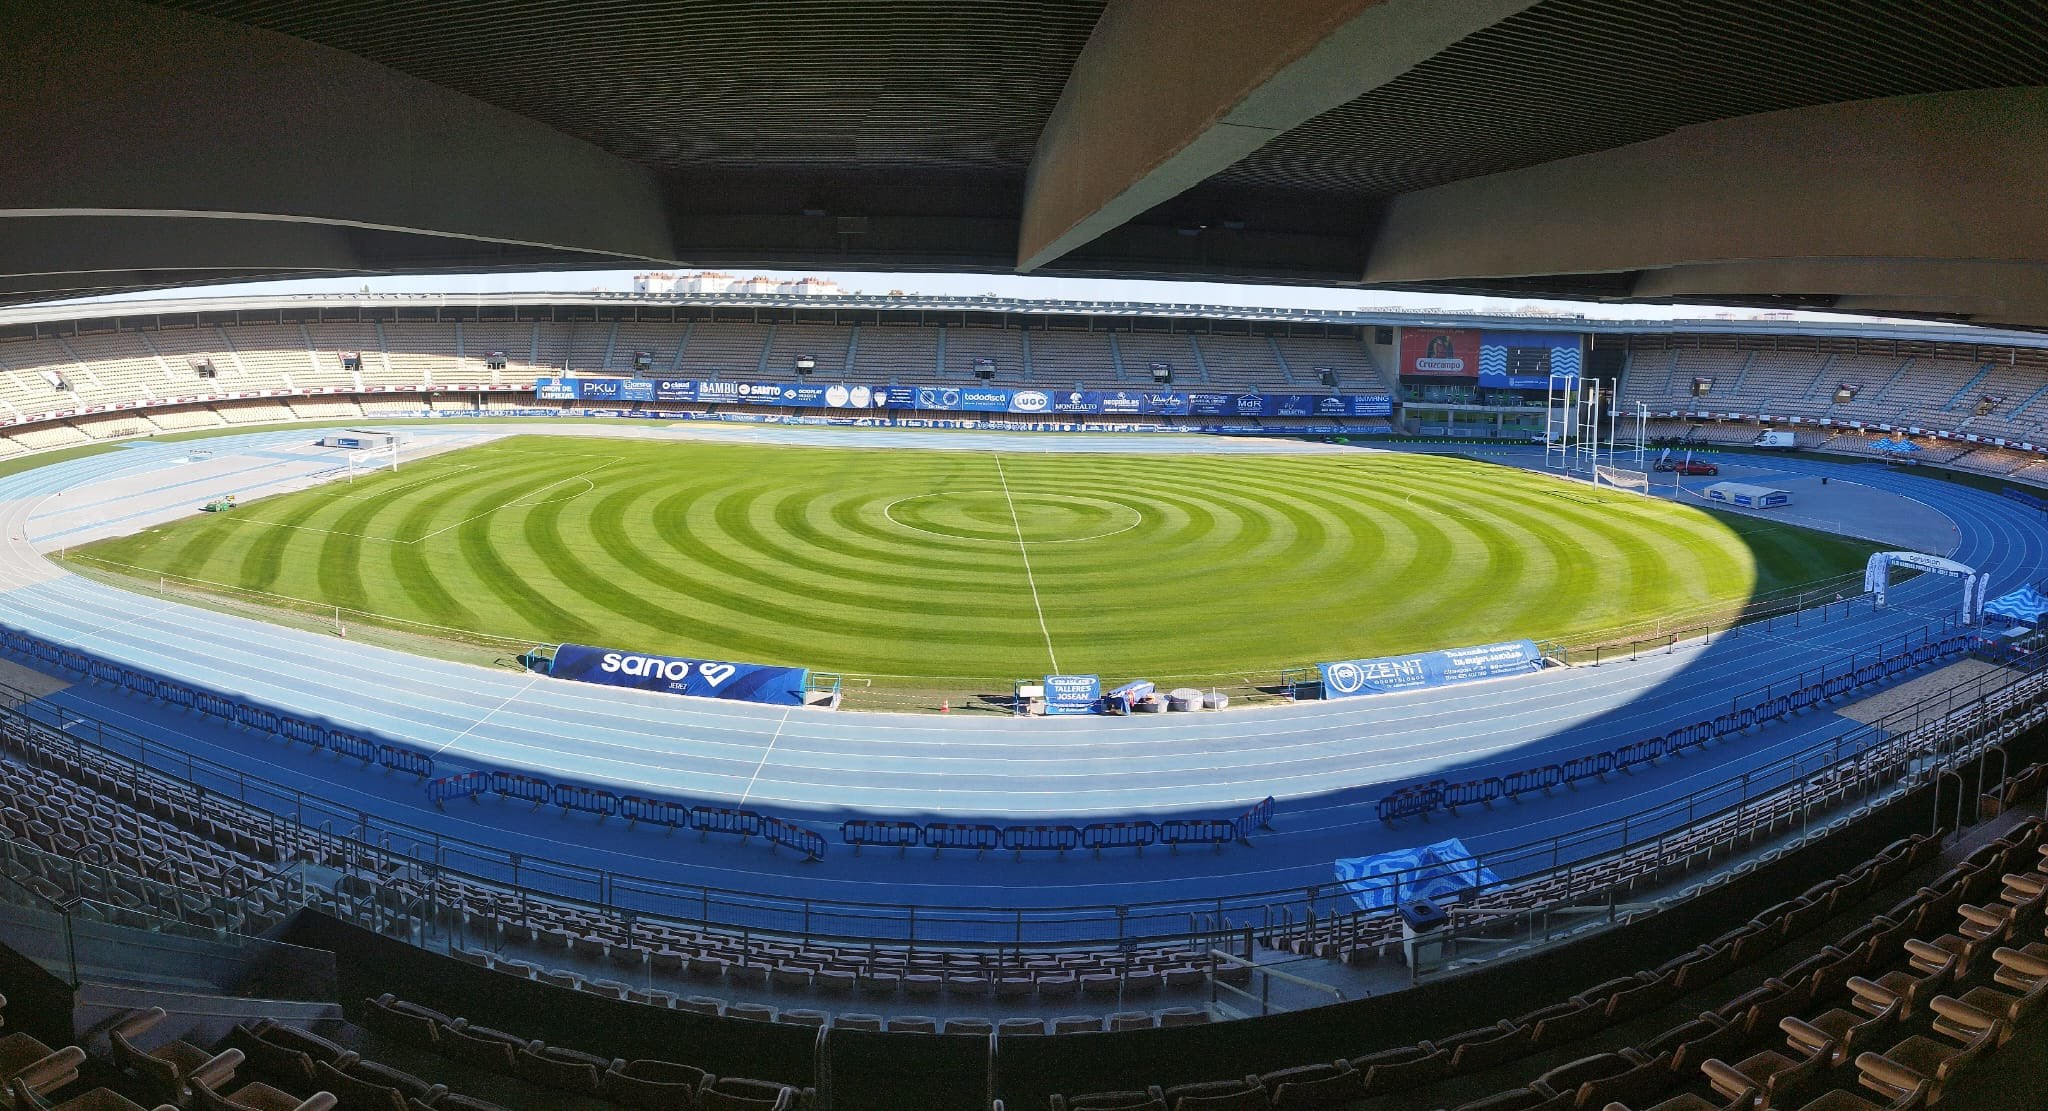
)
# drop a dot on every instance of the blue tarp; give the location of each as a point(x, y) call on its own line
point(1440, 872)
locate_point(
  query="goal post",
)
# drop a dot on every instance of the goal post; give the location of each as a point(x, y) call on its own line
point(383, 456)
point(1621, 478)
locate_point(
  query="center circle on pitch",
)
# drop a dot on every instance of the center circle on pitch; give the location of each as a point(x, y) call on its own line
point(996, 517)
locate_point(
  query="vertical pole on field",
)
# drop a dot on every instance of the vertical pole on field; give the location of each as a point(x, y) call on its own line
point(1642, 426)
point(1588, 416)
point(1614, 417)
point(1558, 422)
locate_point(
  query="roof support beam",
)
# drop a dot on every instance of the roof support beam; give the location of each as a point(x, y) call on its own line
point(1169, 92)
point(1949, 179)
point(118, 108)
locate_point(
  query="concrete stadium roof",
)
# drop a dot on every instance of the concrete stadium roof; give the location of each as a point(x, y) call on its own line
point(1874, 156)
point(64, 318)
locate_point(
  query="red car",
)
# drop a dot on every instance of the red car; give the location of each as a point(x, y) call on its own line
point(1689, 467)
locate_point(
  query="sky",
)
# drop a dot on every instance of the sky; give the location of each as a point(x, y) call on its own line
point(1002, 285)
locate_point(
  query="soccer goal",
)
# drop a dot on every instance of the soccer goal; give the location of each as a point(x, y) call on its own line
point(1621, 477)
point(368, 460)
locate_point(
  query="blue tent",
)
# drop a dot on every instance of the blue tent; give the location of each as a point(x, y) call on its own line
point(2025, 605)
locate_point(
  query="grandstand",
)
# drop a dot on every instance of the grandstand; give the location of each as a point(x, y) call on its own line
point(320, 791)
point(1894, 380)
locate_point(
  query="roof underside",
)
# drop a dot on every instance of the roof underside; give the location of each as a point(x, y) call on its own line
point(1362, 142)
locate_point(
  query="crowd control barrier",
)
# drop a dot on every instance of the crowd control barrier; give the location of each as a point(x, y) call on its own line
point(1137, 833)
point(880, 831)
point(661, 812)
point(228, 709)
point(1422, 799)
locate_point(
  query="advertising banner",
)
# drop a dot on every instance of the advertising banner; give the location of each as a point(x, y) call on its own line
point(1440, 872)
point(1439, 353)
point(1526, 360)
point(1386, 674)
point(1072, 694)
point(780, 686)
point(964, 399)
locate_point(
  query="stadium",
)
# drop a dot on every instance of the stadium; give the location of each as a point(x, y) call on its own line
point(743, 693)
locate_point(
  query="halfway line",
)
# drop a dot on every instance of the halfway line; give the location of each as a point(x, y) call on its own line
point(1025, 552)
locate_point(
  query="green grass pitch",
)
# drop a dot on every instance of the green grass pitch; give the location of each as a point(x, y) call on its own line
point(922, 568)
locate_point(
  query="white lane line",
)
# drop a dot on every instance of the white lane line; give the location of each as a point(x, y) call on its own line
point(1025, 552)
point(473, 726)
point(765, 753)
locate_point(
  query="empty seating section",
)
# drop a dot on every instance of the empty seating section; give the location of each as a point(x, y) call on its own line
point(1005, 346)
point(269, 356)
point(1934, 387)
point(1068, 358)
point(26, 367)
point(119, 367)
point(823, 343)
point(1354, 365)
point(327, 342)
point(480, 338)
point(1898, 1001)
point(660, 341)
point(722, 350)
point(184, 419)
point(180, 348)
point(1141, 349)
point(406, 354)
point(895, 353)
point(586, 345)
point(324, 408)
point(1244, 363)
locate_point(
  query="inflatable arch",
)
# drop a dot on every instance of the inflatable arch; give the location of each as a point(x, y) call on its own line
point(1877, 576)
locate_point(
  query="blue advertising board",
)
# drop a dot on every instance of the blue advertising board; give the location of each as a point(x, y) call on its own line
point(1439, 872)
point(780, 686)
point(1527, 360)
point(1349, 678)
point(965, 399)
point(1072, 694)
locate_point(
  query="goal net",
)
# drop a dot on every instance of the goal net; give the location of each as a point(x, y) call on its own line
point(369, 459)
point(1604, 475)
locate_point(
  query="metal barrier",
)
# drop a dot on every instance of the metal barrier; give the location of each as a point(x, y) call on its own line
point(1197, 831)
point(587, 800)
point(348, 744)
point(952, 835)
point(792, 836)
point(880, 831)
point(305, 732)
point(256, 717)
point(464, 785)
point(1119, 835)
point(1418, 800)
point(1020, 839)
point(661, 812)
point(518, 785)
point(725, 819)
point(401, 759)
